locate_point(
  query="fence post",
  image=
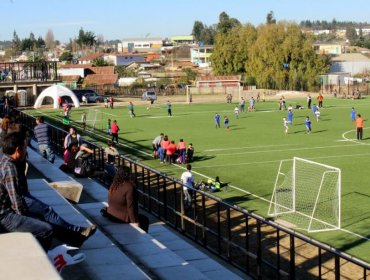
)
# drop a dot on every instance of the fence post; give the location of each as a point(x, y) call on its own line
point(204, 232)
point(259, 251)
point(228, 234)
point(165, 216)
point(337, 267)
point(292, 256)
point(218, 228)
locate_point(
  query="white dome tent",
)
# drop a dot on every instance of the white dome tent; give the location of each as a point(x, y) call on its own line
point(55, 92)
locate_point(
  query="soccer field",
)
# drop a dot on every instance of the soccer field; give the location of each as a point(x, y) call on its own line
point(248, 155)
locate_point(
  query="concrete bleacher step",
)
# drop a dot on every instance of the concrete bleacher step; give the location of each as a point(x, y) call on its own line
point(191, 254)
point(22, 257)
point(104, 260)
point(161, 254)
point(147, 250)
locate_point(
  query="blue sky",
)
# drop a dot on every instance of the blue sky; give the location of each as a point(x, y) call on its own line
point(118, 19)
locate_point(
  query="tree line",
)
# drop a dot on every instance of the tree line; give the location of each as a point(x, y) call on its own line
point(331, 25)
point(85, 39)
point(274, 55)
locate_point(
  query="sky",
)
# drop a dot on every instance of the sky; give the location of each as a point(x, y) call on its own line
point(119, 19)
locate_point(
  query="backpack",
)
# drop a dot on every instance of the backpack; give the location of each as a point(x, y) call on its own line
point(83, 166)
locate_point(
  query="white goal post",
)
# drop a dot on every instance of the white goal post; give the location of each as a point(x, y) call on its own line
point(307, 195)
point(96, 120)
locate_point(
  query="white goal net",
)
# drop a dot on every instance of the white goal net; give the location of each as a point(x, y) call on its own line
point(307, 195)
point(96, 120)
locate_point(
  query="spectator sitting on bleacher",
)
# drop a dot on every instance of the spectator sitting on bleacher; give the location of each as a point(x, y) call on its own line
point(123, 200)
point(111, 152)
point(20, 211)
point(214, 186)
point(83, 166)
point(72, 144)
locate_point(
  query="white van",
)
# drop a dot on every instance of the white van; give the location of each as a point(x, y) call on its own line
point(149, 95)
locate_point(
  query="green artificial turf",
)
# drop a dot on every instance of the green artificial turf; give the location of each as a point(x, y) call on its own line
point(248, 155)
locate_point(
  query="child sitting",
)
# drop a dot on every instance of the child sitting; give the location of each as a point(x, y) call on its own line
point(214, 186)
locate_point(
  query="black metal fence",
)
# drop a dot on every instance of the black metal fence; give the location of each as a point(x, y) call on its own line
point(12, 72)
point(257, 246)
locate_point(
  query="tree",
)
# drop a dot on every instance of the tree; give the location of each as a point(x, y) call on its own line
point(26, 45)
point(66, 56)
point(81, 38)
point(203, 33)
point(351, 33)
point(32, 37)
point(282, 57)
point(16, 43)
point(122, 71)
point(49, 40)
point(100, 62)
point(226, 23)
point(90, 39)
point(198, 28)
point(40, 43)
point(100, 39)
point(208, 35)
point(87, 38)
point(230, 53)
point(189, 78)
point(270, 18)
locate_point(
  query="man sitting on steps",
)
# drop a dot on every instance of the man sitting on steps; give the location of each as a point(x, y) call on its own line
point(20, 211)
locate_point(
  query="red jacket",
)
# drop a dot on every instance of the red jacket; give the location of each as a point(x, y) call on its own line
point(171, 149)
point(114, 128)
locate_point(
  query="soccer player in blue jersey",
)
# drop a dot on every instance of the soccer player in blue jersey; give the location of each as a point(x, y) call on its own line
point(217, 120)
point(353, 114)
point(314, 108)
point(308, 124)
point(226, 122)
point(290, 117)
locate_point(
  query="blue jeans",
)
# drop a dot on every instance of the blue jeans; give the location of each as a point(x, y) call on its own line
point(187, 197)
point(44, 212)
point(62, 230)
point(46, 152)
point(42, 231)
point(183, 155)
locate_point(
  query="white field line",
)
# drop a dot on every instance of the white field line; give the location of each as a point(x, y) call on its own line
point(104, 113)
point(234, 187)
point(271, 161)
point(110, 114)
point(354, 140)
point(284, 150)
point(248, 147)
point(161, 117)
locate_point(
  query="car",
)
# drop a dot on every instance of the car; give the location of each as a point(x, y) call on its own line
point(80, 92)
point(93, 97)
point(149, 95)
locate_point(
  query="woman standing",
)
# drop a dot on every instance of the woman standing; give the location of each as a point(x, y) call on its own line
point(114, 131)
point(123, 200)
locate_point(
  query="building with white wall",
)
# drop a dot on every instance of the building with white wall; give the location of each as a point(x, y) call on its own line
point(140, 45)
point(353, 63)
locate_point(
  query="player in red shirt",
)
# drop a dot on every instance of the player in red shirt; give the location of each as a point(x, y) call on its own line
point(171, 150)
